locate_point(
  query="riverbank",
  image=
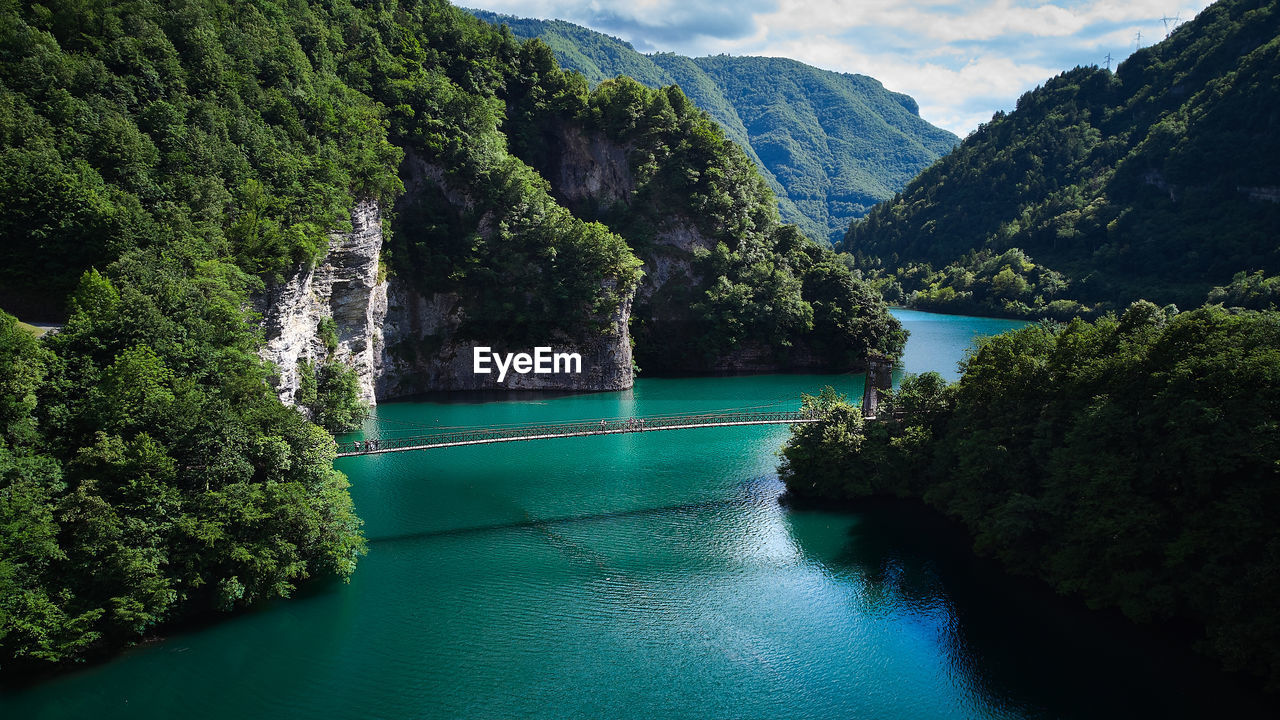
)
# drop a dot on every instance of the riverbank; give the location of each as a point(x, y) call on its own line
point(592, 577)
point(994, 601)
point(1127, 462)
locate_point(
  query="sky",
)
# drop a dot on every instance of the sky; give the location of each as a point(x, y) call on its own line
point(961, 61)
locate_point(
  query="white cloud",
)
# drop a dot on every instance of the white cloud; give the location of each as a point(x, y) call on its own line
point(961, 61)
point(952, 22)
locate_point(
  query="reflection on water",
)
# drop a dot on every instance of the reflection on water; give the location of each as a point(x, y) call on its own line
point(1017, 648)
point(650, 574)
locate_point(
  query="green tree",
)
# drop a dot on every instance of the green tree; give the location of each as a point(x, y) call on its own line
point(1130, 462)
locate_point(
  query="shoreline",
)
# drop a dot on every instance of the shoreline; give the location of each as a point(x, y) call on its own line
point(952, 543)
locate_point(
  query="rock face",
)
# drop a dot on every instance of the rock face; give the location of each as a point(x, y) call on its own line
point(590, 169)
point(423, 353)
point(423, 350)
point(343, 286)
point(672, 257)
point(399, 342)
point(402, 343)
point(589, 173)
point(757, 357)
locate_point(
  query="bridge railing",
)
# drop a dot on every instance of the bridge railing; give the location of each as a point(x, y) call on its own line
point(458, 436)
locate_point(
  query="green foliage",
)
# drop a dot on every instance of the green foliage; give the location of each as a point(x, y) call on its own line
point(1007, 284)
point(1131, 461)
point(845, 459)
point(816, 455)
point(23, 366)
point(153, 469)
point(830, 145)
point(849, 315)
point(327, 331)
point(755, 287)
point(1155, 181)
point(1254, 291)
point(34, 618)
point(920, 399)
point(330, 395)
point(122, 124)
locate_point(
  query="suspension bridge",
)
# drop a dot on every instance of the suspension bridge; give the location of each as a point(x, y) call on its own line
point(878, 379)
point(455, 437)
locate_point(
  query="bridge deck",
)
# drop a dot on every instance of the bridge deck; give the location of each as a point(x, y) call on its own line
point(545, 431)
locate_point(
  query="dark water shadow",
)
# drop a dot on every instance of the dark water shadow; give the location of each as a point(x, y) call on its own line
point(21, 678)
point(535, 523)
point(1025, 649)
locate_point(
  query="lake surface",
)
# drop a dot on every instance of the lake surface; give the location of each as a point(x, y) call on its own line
point(650, 575)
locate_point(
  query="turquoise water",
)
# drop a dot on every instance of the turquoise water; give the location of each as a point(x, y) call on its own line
point(653, 575)
point(938, 342)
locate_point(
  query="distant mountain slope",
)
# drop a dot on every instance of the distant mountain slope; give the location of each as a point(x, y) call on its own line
point(1157, 181)
point(837, 143)
point(831, 145)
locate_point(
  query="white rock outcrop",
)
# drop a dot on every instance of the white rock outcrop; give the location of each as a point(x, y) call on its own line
point(399, 342)
point(344, 285)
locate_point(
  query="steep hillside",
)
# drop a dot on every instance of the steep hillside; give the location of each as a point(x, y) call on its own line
point(727, 287)
point(197, 186)
point(1130, 462)
point(1156, 181)
point(830, 144)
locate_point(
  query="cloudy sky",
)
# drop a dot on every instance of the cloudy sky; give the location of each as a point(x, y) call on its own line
point(961, 60)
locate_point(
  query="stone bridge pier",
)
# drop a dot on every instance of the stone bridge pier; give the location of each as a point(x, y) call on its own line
point(879, 379)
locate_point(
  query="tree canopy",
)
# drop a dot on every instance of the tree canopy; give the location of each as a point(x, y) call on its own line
point(1154, 181)
point(161, 161)
point(1133, 462)
point(830, 145)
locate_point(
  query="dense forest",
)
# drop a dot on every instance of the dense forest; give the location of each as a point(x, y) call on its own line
point(1154, 181)
point(147, 470)
point(161, 163)
point(761, 280)
point(756, 283)
point(830, 145)
point(1131, 462)
point(1253, 291)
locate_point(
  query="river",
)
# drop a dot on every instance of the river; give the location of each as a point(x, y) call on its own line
point(652, 575)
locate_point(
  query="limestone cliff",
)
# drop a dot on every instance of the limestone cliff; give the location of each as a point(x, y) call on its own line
point(403, 338)
point(590, 174)
point(425, 349)
point(594, 176)
point(423, 352)
point(399, 341)
point(344, 286)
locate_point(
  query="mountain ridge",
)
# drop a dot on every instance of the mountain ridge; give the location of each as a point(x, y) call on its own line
point(781, 112)
point(1100, 188)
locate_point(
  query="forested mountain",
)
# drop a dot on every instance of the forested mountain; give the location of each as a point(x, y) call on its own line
point(1155, 181)
point(729, 288)
point(162, 163)
point(1130, 462)
point(831, 145)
